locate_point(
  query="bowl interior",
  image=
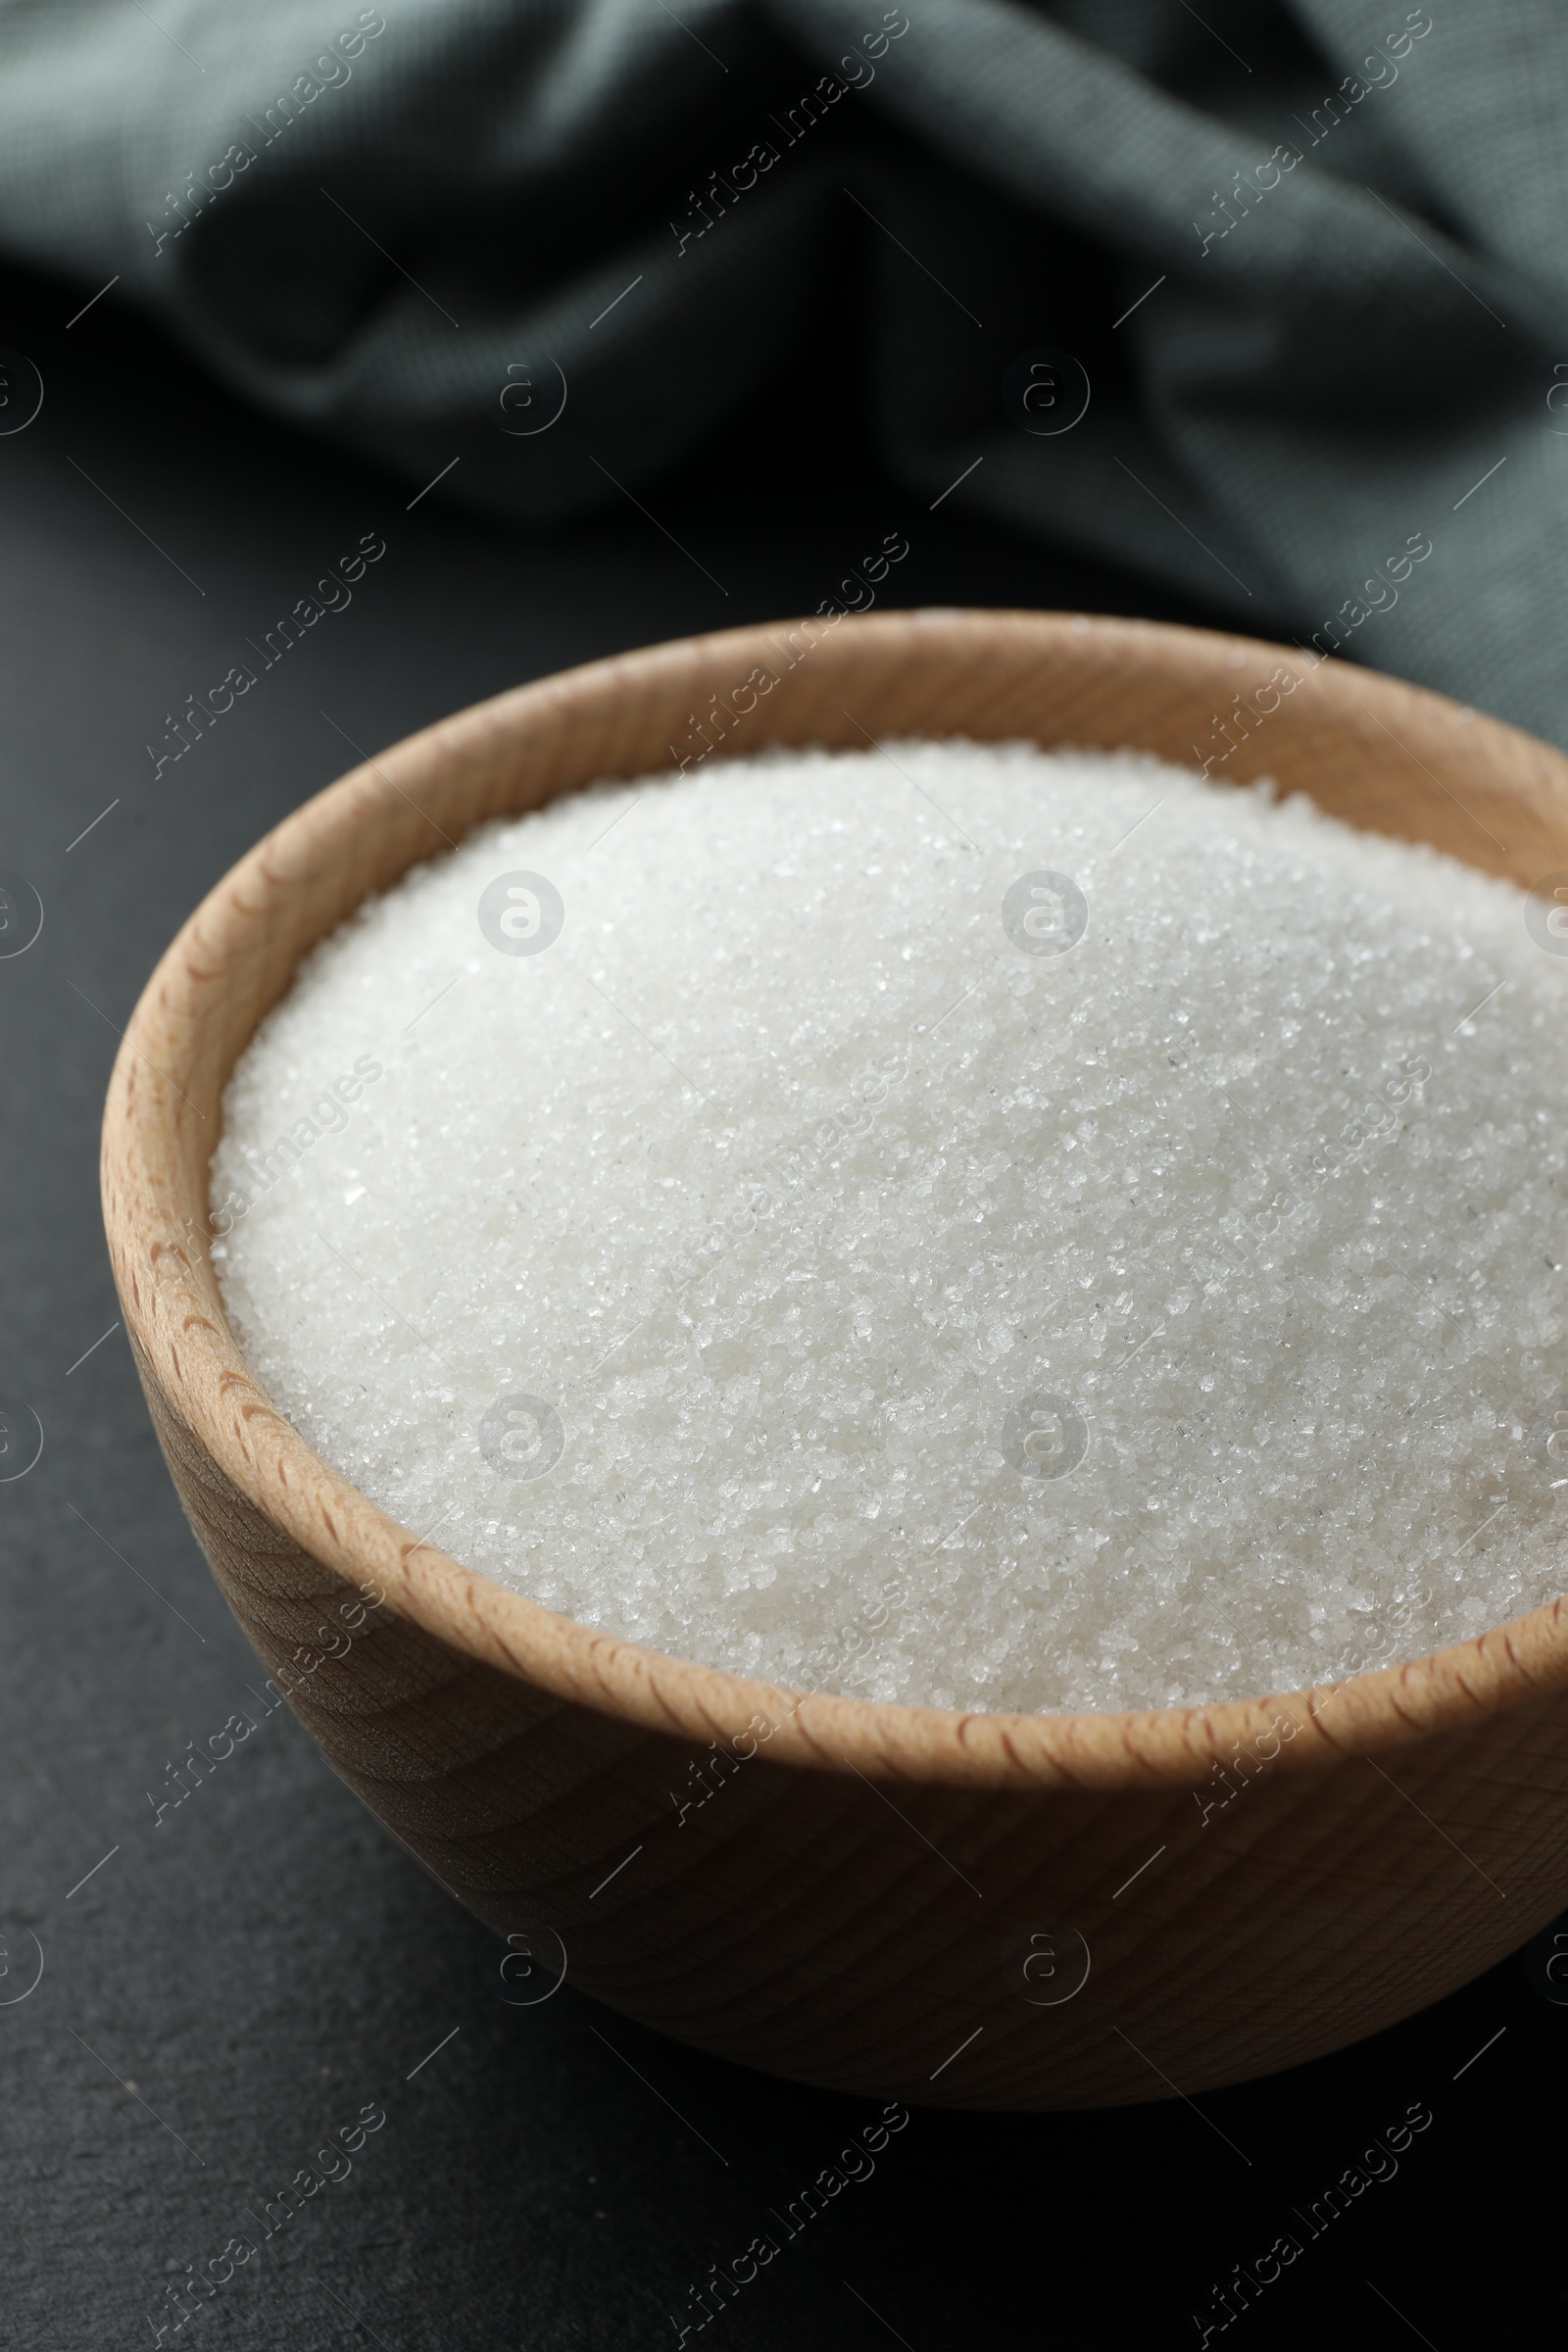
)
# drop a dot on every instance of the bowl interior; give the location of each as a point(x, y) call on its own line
point(1381, 755)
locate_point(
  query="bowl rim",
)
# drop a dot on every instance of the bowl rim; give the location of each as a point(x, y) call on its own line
point(180, 1337)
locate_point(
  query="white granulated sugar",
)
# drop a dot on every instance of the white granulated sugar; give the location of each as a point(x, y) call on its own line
point(781, 1238)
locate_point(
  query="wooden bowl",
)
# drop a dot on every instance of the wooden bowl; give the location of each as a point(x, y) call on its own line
point(975, 1910)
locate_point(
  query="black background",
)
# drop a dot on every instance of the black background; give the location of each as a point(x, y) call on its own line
point(267, 1962)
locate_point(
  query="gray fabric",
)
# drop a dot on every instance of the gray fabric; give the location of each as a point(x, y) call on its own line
point(1328, 368)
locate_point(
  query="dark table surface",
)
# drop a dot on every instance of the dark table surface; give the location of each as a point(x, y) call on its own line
point(221, 1989)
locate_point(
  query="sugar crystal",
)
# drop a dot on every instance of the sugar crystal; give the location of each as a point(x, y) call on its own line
point(951, 1223)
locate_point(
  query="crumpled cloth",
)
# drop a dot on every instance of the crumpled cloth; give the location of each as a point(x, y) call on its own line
point(1310, 277)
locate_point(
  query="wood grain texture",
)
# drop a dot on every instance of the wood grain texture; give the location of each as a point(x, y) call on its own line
point(854, 1902)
